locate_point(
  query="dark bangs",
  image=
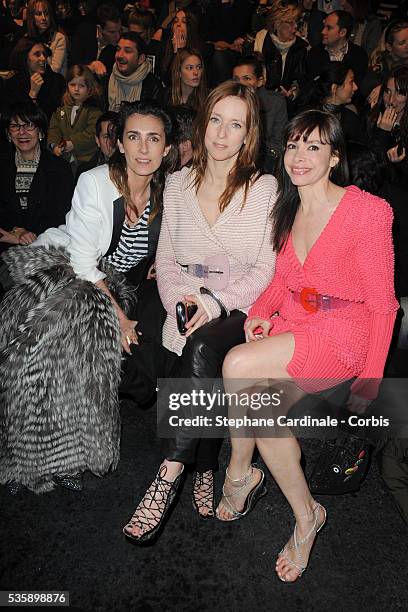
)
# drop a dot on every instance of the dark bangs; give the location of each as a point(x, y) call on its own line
point(330, 132)
point(27, 112)
point(287, 203)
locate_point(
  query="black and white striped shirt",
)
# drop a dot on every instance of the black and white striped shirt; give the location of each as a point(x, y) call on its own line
point(133, 244)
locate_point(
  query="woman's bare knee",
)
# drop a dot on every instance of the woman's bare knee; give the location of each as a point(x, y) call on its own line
point(235, 365)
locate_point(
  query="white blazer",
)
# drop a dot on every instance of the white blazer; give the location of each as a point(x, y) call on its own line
point(88, 228)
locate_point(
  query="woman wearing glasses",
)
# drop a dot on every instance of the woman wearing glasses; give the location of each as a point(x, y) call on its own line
point(30, 177)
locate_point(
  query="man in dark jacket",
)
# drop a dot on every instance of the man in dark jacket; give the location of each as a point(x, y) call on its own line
point(95, 44)
point(131, 79)
point(336, 47)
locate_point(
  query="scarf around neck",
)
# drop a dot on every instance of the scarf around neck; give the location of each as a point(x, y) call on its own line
point(282, 46)
point(126, 88)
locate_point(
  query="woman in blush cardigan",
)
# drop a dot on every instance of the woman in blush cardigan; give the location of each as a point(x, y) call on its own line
point(216, 217)
point(327, 316)
point(41, 24)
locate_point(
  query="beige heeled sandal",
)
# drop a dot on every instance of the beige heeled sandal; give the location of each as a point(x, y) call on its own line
point(301, 566)
point(253, 496)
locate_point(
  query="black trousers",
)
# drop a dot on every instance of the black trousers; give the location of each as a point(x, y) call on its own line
point(202, 358)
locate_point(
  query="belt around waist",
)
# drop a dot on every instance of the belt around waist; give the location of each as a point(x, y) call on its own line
point(312, 301)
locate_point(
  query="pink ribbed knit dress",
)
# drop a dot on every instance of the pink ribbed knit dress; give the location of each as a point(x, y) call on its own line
point(352, 259)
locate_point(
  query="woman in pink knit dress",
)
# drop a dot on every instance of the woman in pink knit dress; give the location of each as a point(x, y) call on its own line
point(327, 316)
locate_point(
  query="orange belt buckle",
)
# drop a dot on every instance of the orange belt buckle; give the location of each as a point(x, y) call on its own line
point(309, 299)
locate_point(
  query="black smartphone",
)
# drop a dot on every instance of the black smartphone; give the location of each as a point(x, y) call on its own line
point(184, 313)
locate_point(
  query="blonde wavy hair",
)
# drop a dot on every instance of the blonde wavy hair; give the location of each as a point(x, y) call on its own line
point(380, 53)
point(279, 13)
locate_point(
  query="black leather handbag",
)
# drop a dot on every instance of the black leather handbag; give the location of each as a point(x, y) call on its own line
point(342, 466)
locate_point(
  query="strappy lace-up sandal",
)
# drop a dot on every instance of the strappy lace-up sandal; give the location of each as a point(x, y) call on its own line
point(150, 514)
point(253, 496)
point(203, 494)
point(300, 564)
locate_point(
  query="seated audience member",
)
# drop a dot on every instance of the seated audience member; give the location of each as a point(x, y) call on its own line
point(391, 53)
point(367, 28)
point(95, 44)
point(12, 28)
point(141, 21)
point(105, 129)
point(388, 124)
point(188, 82)
point(338, 241)
point(332, 91)
point(225, 24)
point(72, 295)
point(283, 50)
point(72, 126)
point(337, 47)
point(182, 33)
point(184, 116)
point(132, 79)
point(369, 170)
point(224, 224)
point(41, 24)
point(33, 79)
point(36, 188)
point(64, 17)
point(249, 71)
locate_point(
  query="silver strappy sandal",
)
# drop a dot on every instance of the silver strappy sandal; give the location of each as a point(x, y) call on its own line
point(301, 566)
point(253, 496)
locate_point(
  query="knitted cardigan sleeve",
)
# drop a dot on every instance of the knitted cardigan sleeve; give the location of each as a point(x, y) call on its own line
point(170, 282)
point(269, 301)
point(375, 261)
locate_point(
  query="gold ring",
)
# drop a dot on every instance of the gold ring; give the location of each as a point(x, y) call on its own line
point(128, 340)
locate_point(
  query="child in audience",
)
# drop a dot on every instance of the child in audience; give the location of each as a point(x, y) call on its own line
point(72, 127)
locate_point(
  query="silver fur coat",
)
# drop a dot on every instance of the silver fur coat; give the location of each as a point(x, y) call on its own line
point(60, 357)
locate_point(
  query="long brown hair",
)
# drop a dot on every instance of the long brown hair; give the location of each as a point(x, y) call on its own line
point(193, 39)
point(32, 29)
point(400, 132)
point(117, 162)
point(197, 97)
point(244, 172)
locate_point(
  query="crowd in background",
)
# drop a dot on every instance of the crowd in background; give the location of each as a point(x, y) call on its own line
point(68, 66)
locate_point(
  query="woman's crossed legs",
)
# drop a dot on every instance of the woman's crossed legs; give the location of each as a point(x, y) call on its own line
point(262, 360)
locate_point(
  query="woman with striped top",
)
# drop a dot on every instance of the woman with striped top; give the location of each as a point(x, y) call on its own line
point(214, 252)
point(116, 208)
point(114, 219)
